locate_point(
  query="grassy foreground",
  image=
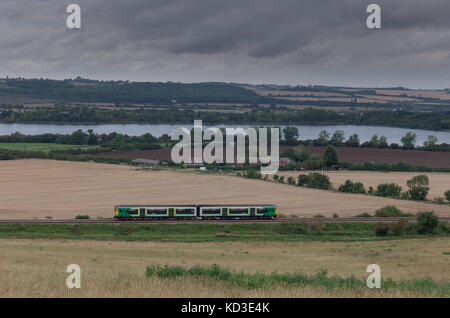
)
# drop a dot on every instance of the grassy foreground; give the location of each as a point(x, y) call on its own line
point(209, 232)
point(37, 268)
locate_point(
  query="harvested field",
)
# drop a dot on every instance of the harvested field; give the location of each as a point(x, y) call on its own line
point(37, 268)
point(39, 188)
point(439, 182)
point(345, 154)
point(441, 94)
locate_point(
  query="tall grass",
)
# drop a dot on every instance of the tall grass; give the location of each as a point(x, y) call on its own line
point(320, 280)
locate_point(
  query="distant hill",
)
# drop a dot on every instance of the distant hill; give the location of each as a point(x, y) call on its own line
point(68, 91)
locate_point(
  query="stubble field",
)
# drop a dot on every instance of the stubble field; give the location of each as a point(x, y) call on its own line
point(35, 189)
point(37, 268)
point(439, 182)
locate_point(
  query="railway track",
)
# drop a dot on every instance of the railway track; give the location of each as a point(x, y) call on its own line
point(174, 221)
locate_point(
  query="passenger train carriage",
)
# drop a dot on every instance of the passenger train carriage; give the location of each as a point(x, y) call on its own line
point(218, 211)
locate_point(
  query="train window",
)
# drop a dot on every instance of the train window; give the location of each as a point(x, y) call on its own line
point(211, 211)
point(157, 211)
point(185, 211)
point(237, 211)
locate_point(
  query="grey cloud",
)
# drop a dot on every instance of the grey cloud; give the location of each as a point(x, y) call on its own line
point(285, 41)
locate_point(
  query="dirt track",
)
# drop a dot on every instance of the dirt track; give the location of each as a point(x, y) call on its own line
point(39, 188)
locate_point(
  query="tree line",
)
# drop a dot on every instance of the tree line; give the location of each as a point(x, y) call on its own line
point(311, 116)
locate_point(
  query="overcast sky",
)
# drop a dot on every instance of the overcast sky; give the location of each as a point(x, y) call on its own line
point(254, 41)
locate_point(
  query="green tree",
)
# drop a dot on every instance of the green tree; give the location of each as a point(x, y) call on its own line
point(409, 140)
point(418, 187)
point(291, 135)
point(374, 141)
point(431, 143)
point(353, 141)
point(447, 195)
point(324, 137)
point(427, 222)
point(330, 156)
point(338, 138)
point(92, 139)
point(389, 190)
point(297, 154)
point(382, 142)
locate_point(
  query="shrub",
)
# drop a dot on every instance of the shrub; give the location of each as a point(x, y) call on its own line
point(381, 229)
point(389, 190)
point(335, 215)
point(427, 222)
point(253, 174)
point(291, 180)
point(351, 187)
point(281, 179)
point(390, 211)
point(418, 187)
point(320, 181)
point(303, 180)
point(82, 217)
point(400, 227)
point(330, 156)
point(405, 196)
point(363, 215)
point(447, 195)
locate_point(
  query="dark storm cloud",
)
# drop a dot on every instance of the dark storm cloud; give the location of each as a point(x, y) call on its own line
point(285, 41)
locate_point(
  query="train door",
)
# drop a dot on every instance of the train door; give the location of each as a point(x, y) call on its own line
point(171, 213)
point(252, 212)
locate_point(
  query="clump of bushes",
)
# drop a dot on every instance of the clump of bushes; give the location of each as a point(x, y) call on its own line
point(400, 227)
point(381, 229)
point(352, 187)
point(447, 195)
point(82, 217)
point(427, 223)
point(253, 174)
point(363, 215)
point(418, 187)
point(314, 180)
point(389, 190)
point(390, 211)
point(291, 180)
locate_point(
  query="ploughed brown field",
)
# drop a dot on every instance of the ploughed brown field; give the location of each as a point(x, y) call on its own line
point(345, 154)
point(39, 188)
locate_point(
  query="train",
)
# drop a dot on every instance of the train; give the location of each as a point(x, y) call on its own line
point(131, 212)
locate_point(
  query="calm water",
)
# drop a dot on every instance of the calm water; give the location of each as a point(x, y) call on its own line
point(306, 132)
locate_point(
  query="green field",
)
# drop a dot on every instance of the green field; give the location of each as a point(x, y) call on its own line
point(44, 147)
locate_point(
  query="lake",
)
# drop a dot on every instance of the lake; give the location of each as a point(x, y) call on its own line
point(306, 132)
